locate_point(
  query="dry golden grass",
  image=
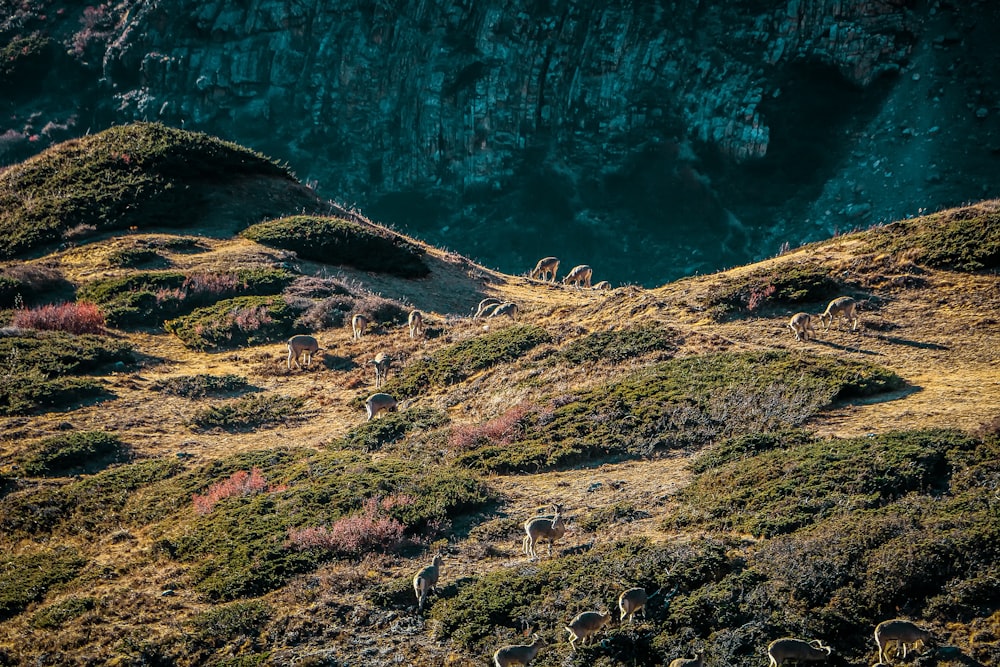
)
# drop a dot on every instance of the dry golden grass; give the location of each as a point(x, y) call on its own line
point(940, 335)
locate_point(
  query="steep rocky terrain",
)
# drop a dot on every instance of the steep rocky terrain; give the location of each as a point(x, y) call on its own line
point(683, 136)
point(765, 486)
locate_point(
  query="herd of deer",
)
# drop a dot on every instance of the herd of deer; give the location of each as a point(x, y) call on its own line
point(587, 624)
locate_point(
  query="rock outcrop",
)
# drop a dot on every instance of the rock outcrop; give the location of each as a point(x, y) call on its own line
point(511, 130)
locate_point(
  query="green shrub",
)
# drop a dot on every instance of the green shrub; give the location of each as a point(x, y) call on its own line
point(963, 239)
point(25, 61)
point(250, 412)
point(767, 290)
point(391, 427)
point(25, 578)
point(614, 347)
point(818, 478)
point(56, 615)
point(64, 453)
point(97, 502)
point(450, 365)
point(149, 298)
point(245, 320)
point(33, 369)
point(197, 386)
point(225, 623)
point(137, 175)
point(681, 403)
point(337, 241)
point(131, 257)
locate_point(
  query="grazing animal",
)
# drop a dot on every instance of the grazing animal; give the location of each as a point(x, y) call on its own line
point(426, 580)
point(378, 403)
point(585, 626)
point(697, 661)
point(485, 305)
point(801, 325)
point(381, 362)
point(898, 630)
point(303, 345)
point(580, 275)
point(358, 324)
point(799, 650)
point(630, 602)
point(518, 654)
point(543, 528)
point(842, 306)
point(604, 284)
point(547, 266)
point(508, 309)
point(416, 322)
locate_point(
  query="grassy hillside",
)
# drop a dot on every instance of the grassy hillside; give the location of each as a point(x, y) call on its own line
point(171, 492)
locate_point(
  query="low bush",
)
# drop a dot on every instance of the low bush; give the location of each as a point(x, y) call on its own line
point(149, 298)
point(391, 427)
point(249, 412)
point(132, 257)
point(768, 290)
point(372, 529)
point(197, 386)
point(337, 241)
point(614, 347)
point(961, 239)
point(454, 363)
point(25, 578)
point(24, 284)
point(226, 623)
point(678, 404)
point(56, 615)
point(72, 452)
point(240, 483)
point(74, 318)
point(246, 320)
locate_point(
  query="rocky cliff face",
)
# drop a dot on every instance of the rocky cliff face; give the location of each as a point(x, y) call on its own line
point(648, 139)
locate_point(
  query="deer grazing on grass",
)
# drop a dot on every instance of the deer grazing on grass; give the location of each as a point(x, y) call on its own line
point(358, 325)
point(580, 275)
point(426, 580)
point(378, 403)
point(603, 285)
point(801, 325)
point(585, 626)
point(547, 266)
point(486, 305)
point(543, 528)
point(697, 661)
point(518, 654)
point(416, 323)
point(799, 650)
point(381, 362)
point(508, 309)
point(898, 630)
point(843, 306)
point(630, 602)
point(304, 346)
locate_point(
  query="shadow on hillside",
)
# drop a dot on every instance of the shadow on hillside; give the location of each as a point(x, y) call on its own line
point(895, 340)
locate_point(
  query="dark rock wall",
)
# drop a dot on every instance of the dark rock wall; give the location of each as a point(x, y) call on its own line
point(637, 136)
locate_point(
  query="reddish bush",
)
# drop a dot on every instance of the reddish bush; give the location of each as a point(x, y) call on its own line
point(759, 295)
point(505, 429)
point(240, 483)
point(370, 530)
point(77, 318)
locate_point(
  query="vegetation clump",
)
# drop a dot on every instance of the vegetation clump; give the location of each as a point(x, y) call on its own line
point(680, 403)
point(138, 175)
point(149, 298)
point(202, 384)
point(962, 239)
point(617, 346)
point(25, 578)
point(236, 322)
point(69, 452)
point(455, 363)
point(765, 291)
point(56, 615)
point(39, 370)
point(249, 412)
point(339, 241)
